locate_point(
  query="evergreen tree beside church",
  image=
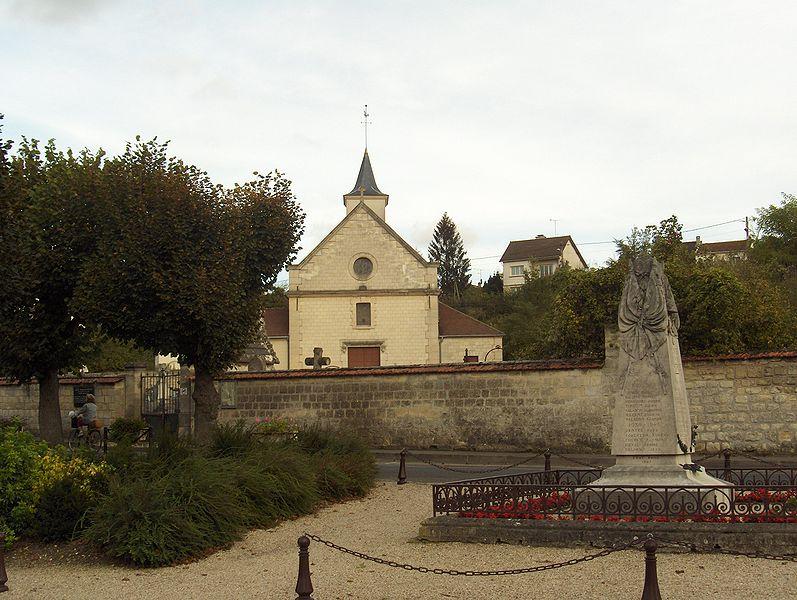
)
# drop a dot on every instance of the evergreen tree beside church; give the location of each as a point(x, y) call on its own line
point(448, 250)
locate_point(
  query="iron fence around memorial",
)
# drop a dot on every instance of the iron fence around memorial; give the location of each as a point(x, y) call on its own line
point(783, 476)
point(739, 503)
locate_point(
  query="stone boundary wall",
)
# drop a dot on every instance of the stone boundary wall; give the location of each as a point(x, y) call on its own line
point(748, 402)
point(117, 394)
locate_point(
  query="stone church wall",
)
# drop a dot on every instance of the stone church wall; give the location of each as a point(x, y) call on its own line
point(744, 402)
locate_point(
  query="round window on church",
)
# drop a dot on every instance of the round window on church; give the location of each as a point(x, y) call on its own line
point(363, 267)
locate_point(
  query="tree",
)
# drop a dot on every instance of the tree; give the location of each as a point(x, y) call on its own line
point(448, 250)
point(777, 236)
point(182, 265)
point(47, 233)
point(494, 284)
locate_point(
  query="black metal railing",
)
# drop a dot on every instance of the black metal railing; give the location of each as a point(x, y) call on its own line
point(783, 476)
point(632, 503)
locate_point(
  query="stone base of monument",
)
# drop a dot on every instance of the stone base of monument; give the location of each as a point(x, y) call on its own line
point(664, 470)
point(767, 538)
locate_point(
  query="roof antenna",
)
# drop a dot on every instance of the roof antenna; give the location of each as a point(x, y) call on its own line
point(554, 221)
point(365, 123)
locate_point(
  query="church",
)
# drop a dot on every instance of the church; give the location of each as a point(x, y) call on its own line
point(369, 299)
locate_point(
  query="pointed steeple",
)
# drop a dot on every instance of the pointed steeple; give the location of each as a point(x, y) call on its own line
point(366, 184)
point(365, 190)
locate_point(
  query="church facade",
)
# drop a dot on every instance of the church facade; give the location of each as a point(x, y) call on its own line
point(368, 298)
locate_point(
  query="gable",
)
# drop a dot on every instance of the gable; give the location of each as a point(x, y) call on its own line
point(396, 265)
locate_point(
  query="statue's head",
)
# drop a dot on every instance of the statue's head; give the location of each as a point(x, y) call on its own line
point(642, 265)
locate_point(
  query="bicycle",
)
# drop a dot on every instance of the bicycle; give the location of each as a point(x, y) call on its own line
point(91, 437)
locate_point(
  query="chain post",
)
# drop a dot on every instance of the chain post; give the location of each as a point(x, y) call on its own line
point(547, 467)
point(304, 587)
point(3, 574)
point(651, 589)
point(402, 474)
point(727, 454)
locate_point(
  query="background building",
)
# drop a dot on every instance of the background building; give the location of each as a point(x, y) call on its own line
point(368, 298)
point(542, 255)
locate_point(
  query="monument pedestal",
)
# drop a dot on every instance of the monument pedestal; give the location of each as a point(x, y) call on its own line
point(661, 470)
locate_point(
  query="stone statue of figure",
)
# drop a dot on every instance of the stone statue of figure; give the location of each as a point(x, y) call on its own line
point(647, 311)
point(651, 424)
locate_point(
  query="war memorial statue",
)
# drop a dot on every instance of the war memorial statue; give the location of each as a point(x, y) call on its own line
point(652, 435)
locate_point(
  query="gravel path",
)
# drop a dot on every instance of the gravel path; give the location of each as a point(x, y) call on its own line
point(385, 524)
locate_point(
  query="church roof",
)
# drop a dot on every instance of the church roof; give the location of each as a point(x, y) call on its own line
point(453, 323)
point(276, 322)
point(366, 183)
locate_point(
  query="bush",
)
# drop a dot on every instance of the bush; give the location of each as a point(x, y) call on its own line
point(344, 465)
point(124, 429)
point(20, 460)
point(228, 439)
point(60, 510)
point(162, 512)
point(29, 474)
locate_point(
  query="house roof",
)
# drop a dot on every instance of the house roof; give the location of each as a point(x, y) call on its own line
point(541, 248)
point(276, 322)
point(716, 247)
point(453, 323)
point(379, 220)
point(366, 183)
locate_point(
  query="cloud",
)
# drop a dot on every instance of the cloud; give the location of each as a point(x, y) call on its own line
point(53, 11)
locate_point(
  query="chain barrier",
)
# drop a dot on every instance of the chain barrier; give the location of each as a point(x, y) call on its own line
point(761, 460)
point(704, 458)
point(709, 550)
point(577, 462)
point(456, 572)
point(474, 471)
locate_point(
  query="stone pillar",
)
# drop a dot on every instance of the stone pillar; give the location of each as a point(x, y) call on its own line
point(133, 373)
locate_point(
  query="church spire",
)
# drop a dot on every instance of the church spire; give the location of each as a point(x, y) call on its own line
point(366, 184)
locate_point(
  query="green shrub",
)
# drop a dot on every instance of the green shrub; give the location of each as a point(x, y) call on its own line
point(162, 512)
point(126, 429)
point(60, 510)
point(228, 439)
point(20, 469)
point(343, 464)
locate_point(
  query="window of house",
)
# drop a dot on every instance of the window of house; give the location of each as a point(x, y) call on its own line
point(546, 270)
point(363, 314)
point(516, 271)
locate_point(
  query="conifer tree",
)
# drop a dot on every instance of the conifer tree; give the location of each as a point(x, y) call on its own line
point(448, 250)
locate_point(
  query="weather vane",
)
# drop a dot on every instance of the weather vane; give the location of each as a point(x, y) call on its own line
point(366, 123)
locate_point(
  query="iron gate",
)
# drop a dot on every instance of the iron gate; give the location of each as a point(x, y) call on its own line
point(160, 400)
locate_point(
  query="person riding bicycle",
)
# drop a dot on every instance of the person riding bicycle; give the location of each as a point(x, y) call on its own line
point(87, 414)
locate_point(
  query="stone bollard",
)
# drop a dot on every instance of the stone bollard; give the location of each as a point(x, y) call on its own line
point(547, 455)
point(3, 574)
point(304, 587)
point(402, 475)
point(651, 589)
point(727, 473)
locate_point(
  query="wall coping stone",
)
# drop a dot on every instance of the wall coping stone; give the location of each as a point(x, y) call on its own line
point(488, 367)
point(96, 379)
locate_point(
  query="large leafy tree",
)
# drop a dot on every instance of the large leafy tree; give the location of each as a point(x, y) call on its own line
point(47, 232)
point(777, 236)
point(448, 250)
point(182, 264)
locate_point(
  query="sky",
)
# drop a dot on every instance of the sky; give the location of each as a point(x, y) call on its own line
point(515, 118)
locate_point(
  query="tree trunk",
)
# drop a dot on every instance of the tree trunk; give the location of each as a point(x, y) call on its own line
point(206, 402)
point(50, 408)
